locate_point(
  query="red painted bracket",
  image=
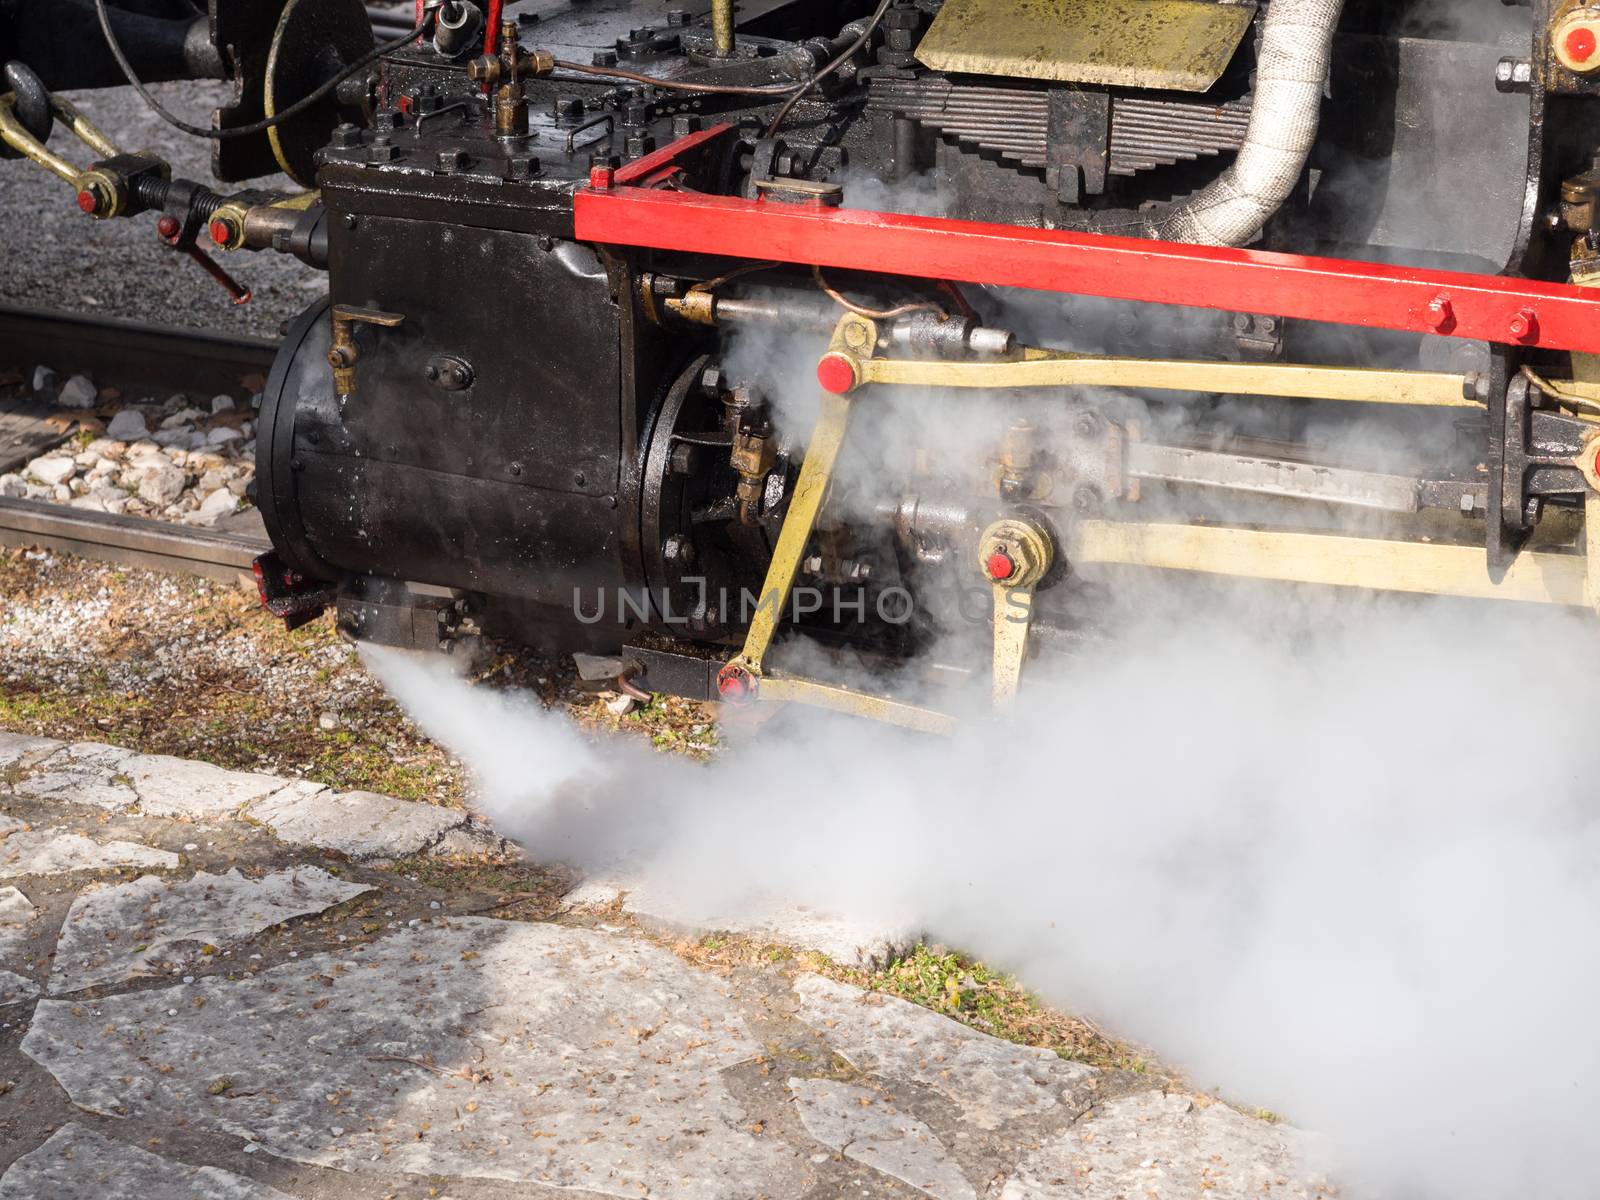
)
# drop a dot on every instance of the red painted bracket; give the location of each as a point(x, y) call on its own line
point(1494, 308)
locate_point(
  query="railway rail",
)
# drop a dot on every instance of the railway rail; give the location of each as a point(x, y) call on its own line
point(132, 355)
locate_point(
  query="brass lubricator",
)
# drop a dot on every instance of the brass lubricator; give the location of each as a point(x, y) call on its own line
point(344, 353)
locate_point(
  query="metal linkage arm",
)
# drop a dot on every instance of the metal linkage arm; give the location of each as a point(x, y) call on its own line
point(845, 370)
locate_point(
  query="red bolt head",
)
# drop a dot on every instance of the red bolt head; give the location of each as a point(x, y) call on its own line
point(221, 232)
point(1000, 566)
point(836, 374)
point(168, 227)
point(1524, 327)
point(88, 201)
point(1441, 313)
point(1581, 44)
point(735, 683)
point(601, 178)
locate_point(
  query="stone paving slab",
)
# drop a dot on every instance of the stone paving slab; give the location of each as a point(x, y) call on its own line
point(1152, 1144)
point(867, 1127)
point(990, 1080)
point(16, 915)
point(48, 851)
point(480, 1048)
point(347, 1057)
point(115, 779)
point(85, 773)
point(16, 747)
point(79, 1164)
point(174, 787)
point(359, 824)
point(850, 943)
point(118, 933)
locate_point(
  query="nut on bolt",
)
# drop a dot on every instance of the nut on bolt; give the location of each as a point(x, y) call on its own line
point(1015, 552)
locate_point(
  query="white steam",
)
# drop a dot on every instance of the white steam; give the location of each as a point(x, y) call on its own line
point(1347, 870)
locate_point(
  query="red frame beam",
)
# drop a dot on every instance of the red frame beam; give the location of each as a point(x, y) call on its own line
point(1494, 308)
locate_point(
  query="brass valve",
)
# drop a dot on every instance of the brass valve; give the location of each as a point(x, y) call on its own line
point(344, 353)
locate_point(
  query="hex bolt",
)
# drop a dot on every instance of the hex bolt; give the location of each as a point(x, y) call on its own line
point(1086, 499)
point(1524, 327)
point(1441, 313)
point(516, 469)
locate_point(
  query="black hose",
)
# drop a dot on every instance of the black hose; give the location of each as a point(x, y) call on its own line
point(294, 110)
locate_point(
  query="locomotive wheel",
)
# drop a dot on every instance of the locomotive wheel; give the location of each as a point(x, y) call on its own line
point(315, 41)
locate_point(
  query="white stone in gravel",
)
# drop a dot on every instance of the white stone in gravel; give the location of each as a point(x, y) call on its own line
point(90, 504)
point(107, 448)
point(77, 1163)
point(13, 486)
point(868, 1127)
point(44, 379)
point(181, 418)
point(222, 404)
point(127, 426)
point(85, 773)
point(1151, 1144)
point(172, 437)
point(45, 852)
point(222, 436)
point(216, 506)
point(360, 824)
point(559, 1056)
point(78, 392)
point(62, 493)
point(180, 787)
point(52, 469)
point(159, 482)
point(19, 747)
point(105, 928)
point(990, 1080)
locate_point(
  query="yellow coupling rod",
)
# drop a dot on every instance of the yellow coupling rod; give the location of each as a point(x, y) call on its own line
point(1056, 368)
point(15, 135)
point(1373, 564)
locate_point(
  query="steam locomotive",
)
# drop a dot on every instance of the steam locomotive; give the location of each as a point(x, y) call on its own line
point(721, 342)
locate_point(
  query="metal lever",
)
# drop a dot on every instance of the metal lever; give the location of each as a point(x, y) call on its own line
point(344, 353)
point(1014, 555)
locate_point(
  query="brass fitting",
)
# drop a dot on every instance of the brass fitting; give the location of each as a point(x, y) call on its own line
point(697, 305)
point(1015, 553)
point(753, 456)
point(722, 25)
point(101, 195)
point(1575, 40)
point(227, 225)
point(344, 353)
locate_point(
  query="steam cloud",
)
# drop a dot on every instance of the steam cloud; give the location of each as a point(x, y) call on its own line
point(1346, 869)
point(1335, 858)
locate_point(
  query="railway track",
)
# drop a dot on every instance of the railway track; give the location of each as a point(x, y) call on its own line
point(130, 354)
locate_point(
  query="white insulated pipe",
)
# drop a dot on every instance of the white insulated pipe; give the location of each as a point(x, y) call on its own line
point(1291, 73)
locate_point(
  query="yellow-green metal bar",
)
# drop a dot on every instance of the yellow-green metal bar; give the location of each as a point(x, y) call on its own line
point(1417, 567)
point(1013, 616)
point(15, 135)
point(816, 473)
point(857, 704)
point(1046, 368)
